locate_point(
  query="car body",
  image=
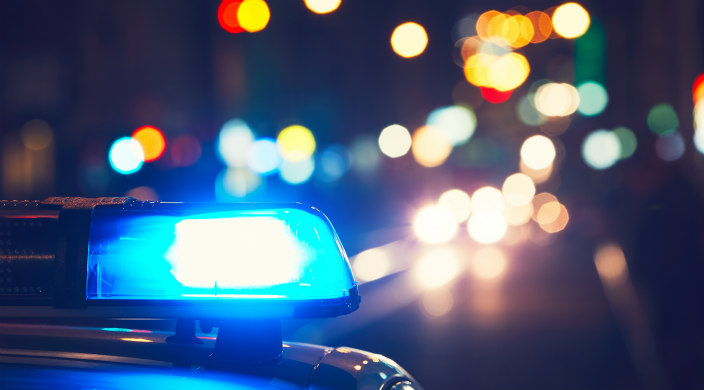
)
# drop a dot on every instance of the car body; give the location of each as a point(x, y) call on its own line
point(42, 356)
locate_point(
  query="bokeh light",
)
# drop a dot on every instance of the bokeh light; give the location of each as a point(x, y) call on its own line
point(434, 224)
point(592, 98)
point(296, 143)
point(610, 263)
point(501, 72)
point(430, 147)
point(456, 123)
point(537, 175)
point(538, 152)
point(518, 215)
point(518, 189)
point(234, 141)
point(538, 201)
point(628, 141)
point(557, 99)
point(409, 39)
point(253, 15)
point(542, 26)
point(552, 217)
point(227, 16)
point(488, 200)
point(527, 112)
point(570, 20)
point(365, 155)
point(264, 157)
point(395, 141)
point(334, 162)
point(456, 202)
point(152, 141)
point(143, 193)
point(297, 172)
point(699, 140)
point(322, 6)
point(662, 119)
point(185, 150)
point(37, 135)
point(487, 228)
point(698, 89)
point(437, 268)
point(601, 149)
point(489, 263)
point(670, 147)
point(371, 264)
point(494, 96)
point(126, 155)
point(438, 303)
point(237, 183)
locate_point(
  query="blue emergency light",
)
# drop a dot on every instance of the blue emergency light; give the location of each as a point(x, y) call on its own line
point(123, 257)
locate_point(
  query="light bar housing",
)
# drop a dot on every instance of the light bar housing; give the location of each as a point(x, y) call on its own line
point(120, 257)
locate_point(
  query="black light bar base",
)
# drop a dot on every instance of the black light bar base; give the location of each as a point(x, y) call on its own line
point(248, 341)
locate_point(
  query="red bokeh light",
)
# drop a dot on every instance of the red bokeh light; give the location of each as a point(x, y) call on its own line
point(698, 89)
point(495, 96)
point(152, 141)
point(227, 16)
point(185, 150)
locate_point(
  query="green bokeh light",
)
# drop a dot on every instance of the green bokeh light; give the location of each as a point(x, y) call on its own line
point(662, 119)
point(628, 140)
point(592, 98)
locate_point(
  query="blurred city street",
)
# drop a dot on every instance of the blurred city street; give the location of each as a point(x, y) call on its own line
point(518, 185)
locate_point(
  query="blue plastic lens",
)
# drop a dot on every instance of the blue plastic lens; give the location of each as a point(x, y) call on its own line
point(211, 253)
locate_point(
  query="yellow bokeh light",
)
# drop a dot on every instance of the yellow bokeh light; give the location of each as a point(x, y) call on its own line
point(538, 175)
point(488, 200)
point(253, 15)
point(434, 224)
point(395, 141)
point(508, 72)
point(409, 39)
point(477, 68)
point(456, 202)
point(518, 215)
point(570, 20)
point(371, 264)
point(538, 152)
point(610, 263)
point(557, 99)
point(430, 147)
point(489, 263)
point(437, 268)
point(487, 228)
point(518, 189)
point(296, 143)
point(322, 6)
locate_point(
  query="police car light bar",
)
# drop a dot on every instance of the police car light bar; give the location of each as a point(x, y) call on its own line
point(122, 257)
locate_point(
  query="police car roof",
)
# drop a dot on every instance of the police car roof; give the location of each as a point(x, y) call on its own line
point(61, 353)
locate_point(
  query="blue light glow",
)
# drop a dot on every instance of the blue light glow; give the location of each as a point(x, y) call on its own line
point(222, 253)
point(264, 157)
point(297, 172)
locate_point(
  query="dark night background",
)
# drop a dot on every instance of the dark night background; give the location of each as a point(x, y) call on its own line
point(97, 70)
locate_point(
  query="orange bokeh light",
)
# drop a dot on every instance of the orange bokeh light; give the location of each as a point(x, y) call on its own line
point(698, 89)
point(227, 16)
point(152, 141)
point(542, 26)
